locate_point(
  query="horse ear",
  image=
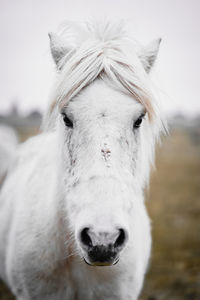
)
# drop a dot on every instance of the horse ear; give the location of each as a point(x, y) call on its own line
point(58, 48)
point(148, 54)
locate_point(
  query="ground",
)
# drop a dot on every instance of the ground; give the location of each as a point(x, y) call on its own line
point(174, 206)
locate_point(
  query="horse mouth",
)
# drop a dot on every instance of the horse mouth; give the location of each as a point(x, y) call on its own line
point(100, 263)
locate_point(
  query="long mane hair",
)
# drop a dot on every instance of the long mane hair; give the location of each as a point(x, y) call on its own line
point(99, 51)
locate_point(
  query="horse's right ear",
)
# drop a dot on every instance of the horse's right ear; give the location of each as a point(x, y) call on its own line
point(58, 48)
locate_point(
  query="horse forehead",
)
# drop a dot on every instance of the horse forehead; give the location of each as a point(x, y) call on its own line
point(100, 97)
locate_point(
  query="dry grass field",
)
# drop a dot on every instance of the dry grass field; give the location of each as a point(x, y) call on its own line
point(174, 207)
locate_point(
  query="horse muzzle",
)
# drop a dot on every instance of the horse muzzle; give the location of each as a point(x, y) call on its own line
point(101, 256)
point(102, 248)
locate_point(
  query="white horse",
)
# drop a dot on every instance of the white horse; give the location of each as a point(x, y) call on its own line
point(73, 223)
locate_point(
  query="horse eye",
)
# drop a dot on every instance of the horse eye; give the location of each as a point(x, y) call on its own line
point(138, 122)
point(67, 121)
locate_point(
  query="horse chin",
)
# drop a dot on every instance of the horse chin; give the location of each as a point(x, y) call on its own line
point(101, 264)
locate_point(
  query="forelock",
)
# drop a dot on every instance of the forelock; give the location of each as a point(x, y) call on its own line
point(100, 51)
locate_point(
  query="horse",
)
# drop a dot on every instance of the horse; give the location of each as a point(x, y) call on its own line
point(73, 218)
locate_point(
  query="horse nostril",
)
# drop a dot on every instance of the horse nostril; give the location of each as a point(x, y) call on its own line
point(120, 239)
point(85, 238)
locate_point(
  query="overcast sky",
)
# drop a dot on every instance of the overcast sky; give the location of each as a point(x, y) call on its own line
point(26, 68)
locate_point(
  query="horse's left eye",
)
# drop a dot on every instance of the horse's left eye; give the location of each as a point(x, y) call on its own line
point(67, 121)
point(138, 122)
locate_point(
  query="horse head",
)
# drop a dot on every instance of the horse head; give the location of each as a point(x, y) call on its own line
point(107, 120)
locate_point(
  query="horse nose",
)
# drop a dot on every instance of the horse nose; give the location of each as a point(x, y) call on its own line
point(115, 239)
point(103, 247)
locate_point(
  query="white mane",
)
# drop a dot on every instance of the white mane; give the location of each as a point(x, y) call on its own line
point(99, 51)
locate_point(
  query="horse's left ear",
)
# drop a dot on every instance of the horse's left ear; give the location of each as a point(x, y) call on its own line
point(148, 54)
point(58, 48)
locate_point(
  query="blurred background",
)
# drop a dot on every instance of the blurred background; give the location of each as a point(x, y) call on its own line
point(26, 75)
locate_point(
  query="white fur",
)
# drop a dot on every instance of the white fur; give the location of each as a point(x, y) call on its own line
point(92, 175)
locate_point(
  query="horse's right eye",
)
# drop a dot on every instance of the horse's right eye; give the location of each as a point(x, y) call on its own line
point(67, 121)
